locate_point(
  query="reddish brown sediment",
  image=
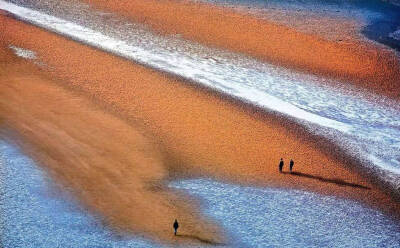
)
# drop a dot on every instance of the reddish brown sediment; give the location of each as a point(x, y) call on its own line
point(110, 165)
point(193, 131)
point(353, 61)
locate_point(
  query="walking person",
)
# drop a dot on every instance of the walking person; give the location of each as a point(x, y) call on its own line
point(176, 226)
point(291, 165)
point(280, 165)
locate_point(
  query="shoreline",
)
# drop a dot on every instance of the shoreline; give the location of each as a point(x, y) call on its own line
point(69, 217)
point(375, 29)
point(111, 167)
point(365, 65)
point(124, 107)
point(215, 127)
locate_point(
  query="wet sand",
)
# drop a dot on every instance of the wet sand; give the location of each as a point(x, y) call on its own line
point(327, 27)
point(354, 61)
point(147, 127)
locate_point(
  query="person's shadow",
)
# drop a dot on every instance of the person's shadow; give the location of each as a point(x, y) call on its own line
point(201, 240)
point(337, 181)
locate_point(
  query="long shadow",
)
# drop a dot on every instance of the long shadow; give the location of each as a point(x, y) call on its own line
point(201, 240)
point(337, 181)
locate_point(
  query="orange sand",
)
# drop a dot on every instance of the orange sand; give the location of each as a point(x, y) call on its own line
point(109, 164)
point(193, 131)
point(358, 62)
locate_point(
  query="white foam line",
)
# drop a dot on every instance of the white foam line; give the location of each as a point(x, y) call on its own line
point(185, 67)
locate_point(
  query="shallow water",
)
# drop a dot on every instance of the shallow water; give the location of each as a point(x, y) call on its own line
point(272, 217)
point(34, 212)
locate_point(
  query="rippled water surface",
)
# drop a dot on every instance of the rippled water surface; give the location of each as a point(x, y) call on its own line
point(35, 213)
point(268, 217)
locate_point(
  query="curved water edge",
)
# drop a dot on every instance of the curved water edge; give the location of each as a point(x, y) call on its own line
point(362, 124)
point(35, 212)
point(382, 18)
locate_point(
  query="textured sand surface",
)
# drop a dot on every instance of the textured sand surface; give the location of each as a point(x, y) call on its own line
point(353, 61)
point(332, 25)
point(108, 164)
point(159, 128)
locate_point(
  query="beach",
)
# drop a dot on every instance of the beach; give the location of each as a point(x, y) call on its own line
point(353, 61)
point(115, 133)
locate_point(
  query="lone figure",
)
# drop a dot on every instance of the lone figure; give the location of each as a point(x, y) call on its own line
point(176, 226)
point(280, 165)
point(291, 165)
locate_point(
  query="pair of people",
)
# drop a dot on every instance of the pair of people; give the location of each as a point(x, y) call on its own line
point(281, 163)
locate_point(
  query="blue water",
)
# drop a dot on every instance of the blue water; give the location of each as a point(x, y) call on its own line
point(34, 212)
point(271, 217)
point(382, 17)
point(366, 9)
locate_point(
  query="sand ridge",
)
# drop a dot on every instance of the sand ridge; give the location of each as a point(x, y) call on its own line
point(195, 132)
point(113, 166)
